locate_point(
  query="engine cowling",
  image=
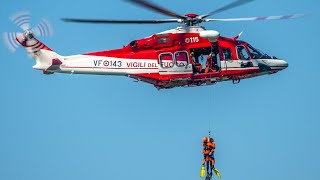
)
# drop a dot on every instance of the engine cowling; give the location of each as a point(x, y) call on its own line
point(210, 34)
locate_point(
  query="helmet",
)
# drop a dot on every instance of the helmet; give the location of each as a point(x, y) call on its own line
point(205, 139)
point(211, 140)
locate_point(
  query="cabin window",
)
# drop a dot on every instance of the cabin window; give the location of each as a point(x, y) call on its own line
point(227, 54)
point(242, 53)
point(181, 58)
point(166, 60)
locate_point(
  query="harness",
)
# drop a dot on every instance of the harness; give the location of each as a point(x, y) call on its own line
point(207, 149)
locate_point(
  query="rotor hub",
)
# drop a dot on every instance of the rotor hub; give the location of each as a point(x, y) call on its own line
point(28, 34)
point(192, 19)
point(192, 15)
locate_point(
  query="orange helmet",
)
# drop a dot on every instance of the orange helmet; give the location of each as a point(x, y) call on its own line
point(205, 139)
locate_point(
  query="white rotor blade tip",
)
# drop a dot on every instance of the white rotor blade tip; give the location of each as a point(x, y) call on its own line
point(9, 40)
point(44, 28)
point(21, 19)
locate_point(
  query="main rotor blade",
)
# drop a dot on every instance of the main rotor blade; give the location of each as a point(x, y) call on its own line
point(156, 8)
point(227, 7)
point(111, 21)
point(294, 16)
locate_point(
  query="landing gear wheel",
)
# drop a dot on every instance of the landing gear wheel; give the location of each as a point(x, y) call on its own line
point(236, 79)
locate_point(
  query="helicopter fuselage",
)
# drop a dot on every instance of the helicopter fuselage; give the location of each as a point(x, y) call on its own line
point(175, 58)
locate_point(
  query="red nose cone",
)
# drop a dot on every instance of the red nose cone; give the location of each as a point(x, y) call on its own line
point(191, 15)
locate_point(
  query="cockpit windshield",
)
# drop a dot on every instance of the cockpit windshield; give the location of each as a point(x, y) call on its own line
point(257, 54)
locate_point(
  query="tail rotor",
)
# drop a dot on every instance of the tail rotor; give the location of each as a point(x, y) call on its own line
point(22, 20)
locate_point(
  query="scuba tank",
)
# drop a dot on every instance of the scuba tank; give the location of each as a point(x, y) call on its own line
point(202, 172)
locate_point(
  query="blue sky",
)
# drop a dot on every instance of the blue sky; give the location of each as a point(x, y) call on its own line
point(95, 127)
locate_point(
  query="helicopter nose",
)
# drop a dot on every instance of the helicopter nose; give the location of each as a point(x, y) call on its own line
point(282, 64)
point(276, 64)
point(272, 65)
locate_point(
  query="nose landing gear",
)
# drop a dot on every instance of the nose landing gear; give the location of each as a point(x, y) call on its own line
point(236, 79)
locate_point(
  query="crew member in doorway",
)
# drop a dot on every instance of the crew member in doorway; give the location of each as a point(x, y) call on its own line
point(215, 60)
point(196, 66)
point(209, 66)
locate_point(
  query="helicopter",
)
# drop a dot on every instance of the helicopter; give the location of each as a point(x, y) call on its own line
point(168, 59)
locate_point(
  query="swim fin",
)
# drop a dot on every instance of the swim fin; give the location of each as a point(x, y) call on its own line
point(202, 172)
point(217, 172)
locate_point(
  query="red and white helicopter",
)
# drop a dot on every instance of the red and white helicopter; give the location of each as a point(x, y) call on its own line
point(167, 59)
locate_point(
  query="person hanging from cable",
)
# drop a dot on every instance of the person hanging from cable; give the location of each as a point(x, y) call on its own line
point(208, 157)
point(208, 150)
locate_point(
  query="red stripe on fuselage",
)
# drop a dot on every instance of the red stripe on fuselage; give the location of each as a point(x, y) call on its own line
point(103, 68)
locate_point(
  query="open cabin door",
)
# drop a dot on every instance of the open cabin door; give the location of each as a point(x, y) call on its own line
point(207, 60)
point(176, 63)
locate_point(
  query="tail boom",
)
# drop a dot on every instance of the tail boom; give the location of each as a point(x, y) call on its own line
point(46, 59)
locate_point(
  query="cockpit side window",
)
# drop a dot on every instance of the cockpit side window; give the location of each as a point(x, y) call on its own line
point(227, 54)
point(242, 53)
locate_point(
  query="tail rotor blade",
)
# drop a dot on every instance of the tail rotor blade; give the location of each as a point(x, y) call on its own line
point(22, 19)
point(44, 28)
point(9, 40)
